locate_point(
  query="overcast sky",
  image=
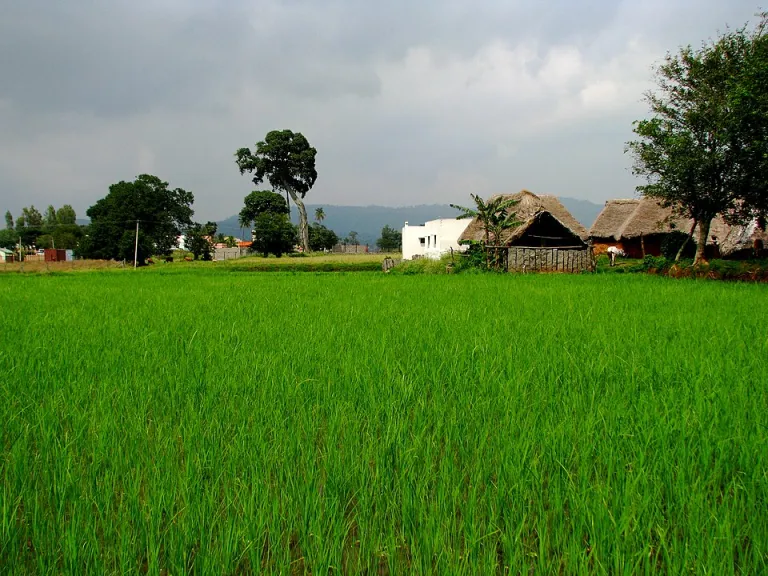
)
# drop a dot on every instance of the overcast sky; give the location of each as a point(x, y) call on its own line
point(407, 101)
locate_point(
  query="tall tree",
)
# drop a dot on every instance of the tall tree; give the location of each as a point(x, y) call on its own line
point(66, 215)
point(50, 219)
point(353, 238)
point(319, 215)
point(162, 214)
point(288, 161)
point(695, 151)
point(258, 202)
point(8, 220)
point(748, 101)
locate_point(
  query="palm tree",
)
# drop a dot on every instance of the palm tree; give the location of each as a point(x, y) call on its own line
point(494, 215)
point(319, 214)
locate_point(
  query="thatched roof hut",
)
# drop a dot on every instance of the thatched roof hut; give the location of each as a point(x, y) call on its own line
point(544, 222)
point(637, 225)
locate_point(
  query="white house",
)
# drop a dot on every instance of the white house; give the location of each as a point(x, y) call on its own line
point(6, 255)
point(433, 238)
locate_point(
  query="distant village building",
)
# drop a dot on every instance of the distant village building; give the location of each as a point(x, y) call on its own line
point(544, 223)
point(547, 238)
point(639, 227)
point(433, 239)
point(6, 255)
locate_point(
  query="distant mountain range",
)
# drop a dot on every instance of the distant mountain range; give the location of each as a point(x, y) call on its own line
point(368, 221)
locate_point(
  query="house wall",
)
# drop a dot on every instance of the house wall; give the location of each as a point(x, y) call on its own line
point(439, 236)
point(229, 253)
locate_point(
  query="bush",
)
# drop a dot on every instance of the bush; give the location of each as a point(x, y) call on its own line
point(656, 263)
point(472, 259)
point(425, 266)
point(672, 242)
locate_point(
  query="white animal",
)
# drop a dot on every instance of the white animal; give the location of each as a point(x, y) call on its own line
point(613, 251)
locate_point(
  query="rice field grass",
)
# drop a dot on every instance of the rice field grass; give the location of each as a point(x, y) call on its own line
point(208, 423)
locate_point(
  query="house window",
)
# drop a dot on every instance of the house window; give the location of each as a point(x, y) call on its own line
point(421, 242)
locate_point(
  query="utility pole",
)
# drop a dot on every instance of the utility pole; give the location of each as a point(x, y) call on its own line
point(136, 246)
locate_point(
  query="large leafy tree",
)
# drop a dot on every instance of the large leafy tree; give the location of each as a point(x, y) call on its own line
point(258, 202)
point(391, 239)
point(321, 238)
point(162, 214)
point(8, 220)
point(698, 152)
point(748, 102)
point(287, 160)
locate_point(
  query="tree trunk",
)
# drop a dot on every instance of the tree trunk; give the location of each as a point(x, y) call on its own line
point(685, 243)
point(303, 228)
point(704, 225)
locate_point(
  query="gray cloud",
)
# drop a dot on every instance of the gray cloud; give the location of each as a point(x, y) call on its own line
point(407, 102)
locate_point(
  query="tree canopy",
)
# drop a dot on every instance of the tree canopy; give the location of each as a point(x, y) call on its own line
point(258, 202)
point(66, 215)
point(287, 160)
point(273, 233)
point(8, 220)
point(198, 240)
point(391, 239)
point(702, 152)
point(321, 238)
point(162, 214)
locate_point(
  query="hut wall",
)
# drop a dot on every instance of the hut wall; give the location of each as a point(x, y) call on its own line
point(638, 247)
point(547, 232)
point(530, 259)
point(601, 245)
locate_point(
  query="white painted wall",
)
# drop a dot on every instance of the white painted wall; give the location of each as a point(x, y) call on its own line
point(433, 238)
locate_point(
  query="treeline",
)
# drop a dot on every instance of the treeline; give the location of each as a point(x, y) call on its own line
point(31, 229)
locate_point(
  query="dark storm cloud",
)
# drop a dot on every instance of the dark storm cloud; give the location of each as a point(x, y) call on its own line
point(407, 102)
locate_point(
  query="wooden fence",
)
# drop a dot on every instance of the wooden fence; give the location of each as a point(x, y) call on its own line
point(533, 259)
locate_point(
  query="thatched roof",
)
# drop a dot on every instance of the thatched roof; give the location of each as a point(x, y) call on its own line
point(633, 218)
point(735, 238)
point(626, 219)
point(528, 208)
point(612, 218)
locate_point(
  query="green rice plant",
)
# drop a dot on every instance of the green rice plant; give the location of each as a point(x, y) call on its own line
point(197, 422)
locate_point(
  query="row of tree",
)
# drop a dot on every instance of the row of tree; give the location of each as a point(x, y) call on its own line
point(146, 217)
point(54, 229)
